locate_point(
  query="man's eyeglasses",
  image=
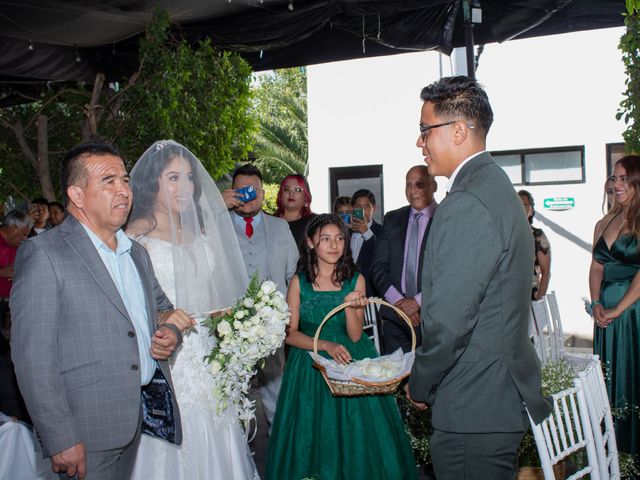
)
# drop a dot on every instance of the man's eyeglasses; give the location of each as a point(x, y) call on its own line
point(424, 129)
point(292, 189)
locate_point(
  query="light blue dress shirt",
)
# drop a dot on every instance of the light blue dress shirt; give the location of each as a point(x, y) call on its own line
point(126, 277)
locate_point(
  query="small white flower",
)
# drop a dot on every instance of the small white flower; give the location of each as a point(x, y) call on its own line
point(215, 367)
point(248, 302)
point(239, 314)
point(268, 287)
point(237, 325)
point(224, 328)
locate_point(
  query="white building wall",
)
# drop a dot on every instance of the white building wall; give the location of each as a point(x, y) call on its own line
point(545, 92)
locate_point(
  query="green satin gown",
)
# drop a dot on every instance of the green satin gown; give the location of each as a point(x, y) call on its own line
point(316, 435)
point(619, 344)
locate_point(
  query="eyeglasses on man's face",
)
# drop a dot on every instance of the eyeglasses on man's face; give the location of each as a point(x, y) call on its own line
point(288, 189)
point(425, 129)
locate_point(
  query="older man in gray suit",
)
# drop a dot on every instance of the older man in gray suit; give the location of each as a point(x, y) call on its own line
point(476, 366)
point(267, 248)
point(85, 306)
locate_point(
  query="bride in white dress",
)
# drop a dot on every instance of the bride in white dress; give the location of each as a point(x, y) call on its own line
point(179, 216)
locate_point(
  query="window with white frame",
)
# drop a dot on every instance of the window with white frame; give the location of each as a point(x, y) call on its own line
point(543, 166)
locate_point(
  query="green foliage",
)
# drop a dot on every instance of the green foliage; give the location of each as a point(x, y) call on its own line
point(630, 47)
point(270, 197)
point(196, 95)
point(417, 424)
point(280, 105)
point(64, 110)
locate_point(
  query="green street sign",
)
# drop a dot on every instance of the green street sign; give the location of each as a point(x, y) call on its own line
point(559, 203)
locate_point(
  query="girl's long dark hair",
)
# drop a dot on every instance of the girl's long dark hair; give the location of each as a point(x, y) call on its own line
point(308, 263)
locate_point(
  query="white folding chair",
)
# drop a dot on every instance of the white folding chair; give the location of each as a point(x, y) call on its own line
point(553, 313)
point(370, 325)
point(565, 431)
point(545, 332)
point(595, 390)
point(535, 337)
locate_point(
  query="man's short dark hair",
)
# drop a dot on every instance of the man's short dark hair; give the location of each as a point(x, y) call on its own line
point(248, 169)
point(58, 205)
point(460, 98)
point(40, 201)
point(72, 170)
point(363, 192)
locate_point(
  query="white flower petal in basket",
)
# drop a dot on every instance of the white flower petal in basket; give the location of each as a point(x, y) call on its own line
point(379, 369)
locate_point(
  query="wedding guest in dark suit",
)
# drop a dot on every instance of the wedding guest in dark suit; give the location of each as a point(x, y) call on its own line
point(364, 234)
point(476, 366)
point(397, 264)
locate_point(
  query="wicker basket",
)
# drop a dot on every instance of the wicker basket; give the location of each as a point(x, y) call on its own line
point(353, 388)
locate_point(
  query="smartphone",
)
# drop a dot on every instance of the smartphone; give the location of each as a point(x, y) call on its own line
point(358, 213)
point(346, 218)
point(246, 194)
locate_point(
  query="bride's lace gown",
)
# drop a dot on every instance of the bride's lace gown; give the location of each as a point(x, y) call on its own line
point(213, 445)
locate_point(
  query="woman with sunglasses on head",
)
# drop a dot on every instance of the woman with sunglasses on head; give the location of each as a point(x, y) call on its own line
point(294, 204)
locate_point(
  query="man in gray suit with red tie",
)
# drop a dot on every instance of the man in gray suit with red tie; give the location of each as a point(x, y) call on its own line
point(397, 263)
point(85, 337)
point(476, 366)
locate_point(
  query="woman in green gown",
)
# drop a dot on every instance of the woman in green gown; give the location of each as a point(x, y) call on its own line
point(316, 435)
point(614, 282)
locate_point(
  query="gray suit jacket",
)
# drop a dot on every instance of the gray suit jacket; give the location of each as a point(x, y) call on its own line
point(74, 346)
point(283, 251)
point(476, 364)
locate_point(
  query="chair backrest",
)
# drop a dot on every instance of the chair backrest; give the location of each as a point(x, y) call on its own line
point(566, 430)
point(370, 325)
point(556, 322)
point(548, 349)
point(595, 391)
point(534, 335)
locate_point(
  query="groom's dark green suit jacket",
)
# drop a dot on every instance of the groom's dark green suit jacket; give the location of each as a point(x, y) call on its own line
point(476, 365)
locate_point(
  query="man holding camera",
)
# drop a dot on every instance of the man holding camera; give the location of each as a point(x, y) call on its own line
point(268, 248)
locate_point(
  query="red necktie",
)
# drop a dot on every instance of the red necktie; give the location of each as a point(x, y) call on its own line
point(248, 229)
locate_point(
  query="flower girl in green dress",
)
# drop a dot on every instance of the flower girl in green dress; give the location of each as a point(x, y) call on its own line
point(316, 435)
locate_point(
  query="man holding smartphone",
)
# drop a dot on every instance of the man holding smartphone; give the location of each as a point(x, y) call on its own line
point(267, 247)
point(364, 232)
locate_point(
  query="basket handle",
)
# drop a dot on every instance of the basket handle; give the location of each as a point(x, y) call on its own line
point(371, 300)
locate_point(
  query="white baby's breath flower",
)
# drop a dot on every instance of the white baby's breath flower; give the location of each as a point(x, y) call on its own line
point(237, 325)
point(239, 314)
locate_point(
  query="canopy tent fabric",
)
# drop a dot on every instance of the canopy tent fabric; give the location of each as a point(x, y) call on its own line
point(54, 41)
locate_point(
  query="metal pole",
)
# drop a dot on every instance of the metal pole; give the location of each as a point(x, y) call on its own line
point(468, 38)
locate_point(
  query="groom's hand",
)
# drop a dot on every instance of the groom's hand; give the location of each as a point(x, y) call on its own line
point(71, 461)
point(418, 405)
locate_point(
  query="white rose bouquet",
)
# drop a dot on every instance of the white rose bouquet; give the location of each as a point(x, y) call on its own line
point(248, 333)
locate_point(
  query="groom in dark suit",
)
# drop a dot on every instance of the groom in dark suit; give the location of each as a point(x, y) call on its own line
point(91, 325)
point(476, 366)
point(397, 264)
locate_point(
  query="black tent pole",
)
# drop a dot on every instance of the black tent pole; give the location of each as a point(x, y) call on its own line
point(468, 39)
